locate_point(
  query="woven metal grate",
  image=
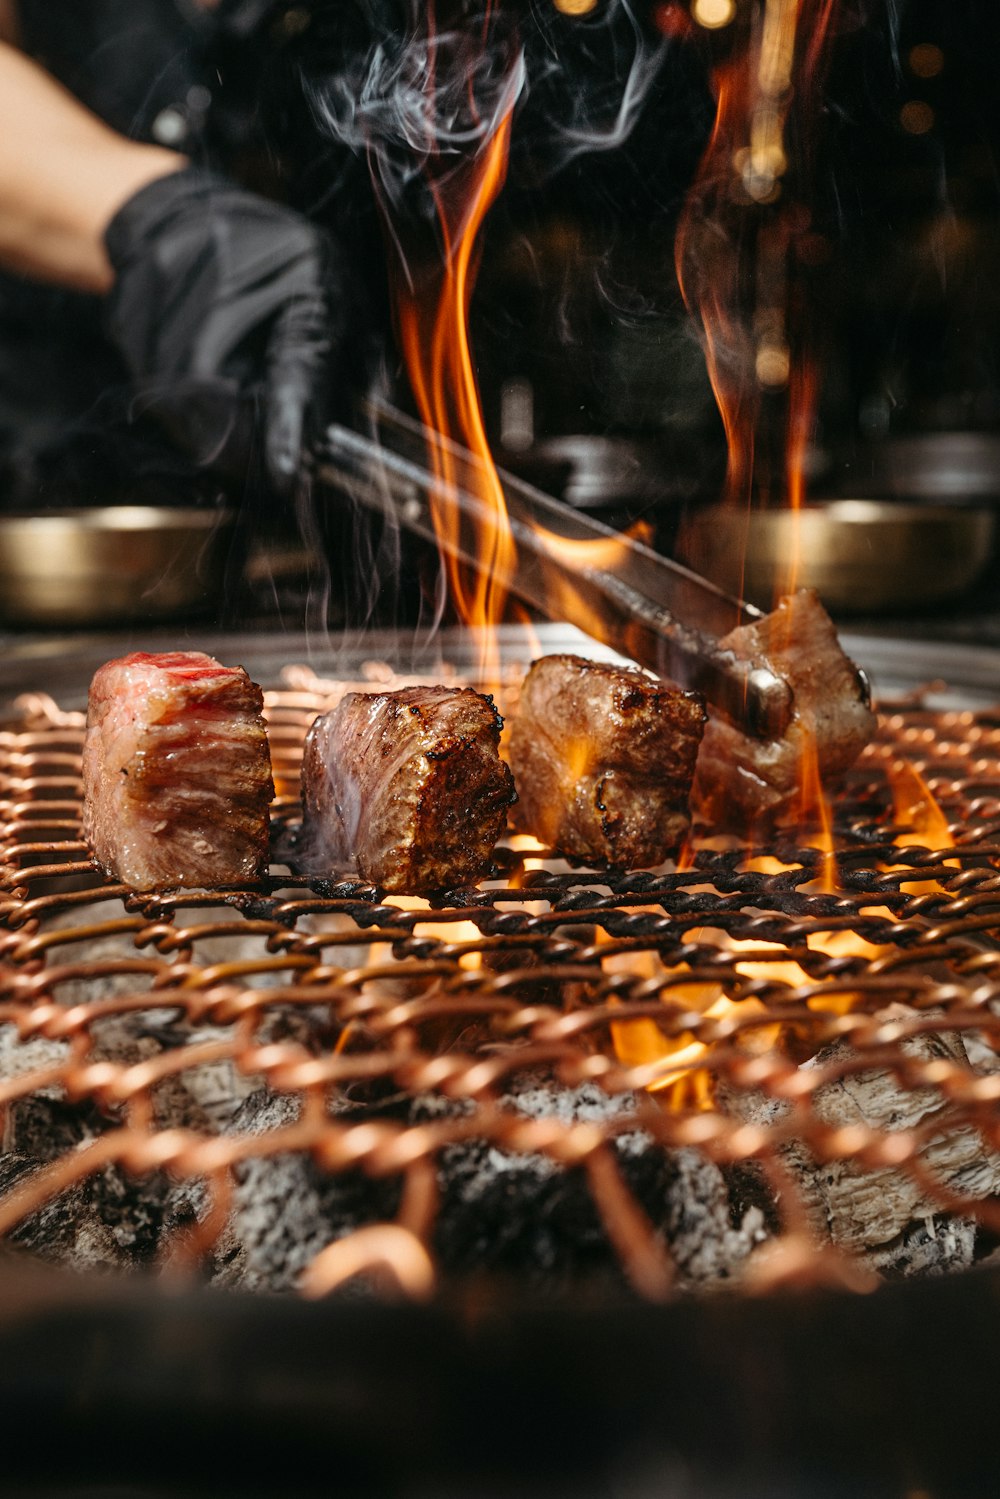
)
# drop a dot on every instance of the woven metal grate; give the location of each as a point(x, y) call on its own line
point(821, 1026)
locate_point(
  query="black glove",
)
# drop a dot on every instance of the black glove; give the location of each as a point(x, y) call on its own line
point(221, 311)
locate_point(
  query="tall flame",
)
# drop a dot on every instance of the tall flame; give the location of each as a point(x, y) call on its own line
point(735, 250)
point(432, 310)
point(433, 319)
point(801, 412)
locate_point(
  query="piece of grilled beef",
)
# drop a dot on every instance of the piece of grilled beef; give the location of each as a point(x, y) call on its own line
point(407, 788)
point(176, 772)
point(603, 759)
point(741, 780)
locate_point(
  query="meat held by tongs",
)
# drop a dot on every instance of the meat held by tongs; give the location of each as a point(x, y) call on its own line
point(742, 779)
point(771, 682)
point(604, 757)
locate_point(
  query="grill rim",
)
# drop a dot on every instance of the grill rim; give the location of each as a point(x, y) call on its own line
point(824, 1391)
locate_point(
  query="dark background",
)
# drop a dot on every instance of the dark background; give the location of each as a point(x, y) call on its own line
point(577, 298)
point(578, 289)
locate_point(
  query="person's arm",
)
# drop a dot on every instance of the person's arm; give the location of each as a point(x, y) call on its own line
point(8, 21)
point(217, 300)
point(63, 176)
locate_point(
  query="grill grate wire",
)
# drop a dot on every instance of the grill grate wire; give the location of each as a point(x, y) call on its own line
point(324, 989)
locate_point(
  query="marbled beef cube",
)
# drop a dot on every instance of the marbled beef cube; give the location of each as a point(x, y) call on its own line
point(742, 780)
point(407, 788)
point(603, 758)
point(176, 772)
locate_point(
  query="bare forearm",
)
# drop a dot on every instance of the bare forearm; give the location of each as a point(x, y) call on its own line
point(8, 21)
point(63, 176)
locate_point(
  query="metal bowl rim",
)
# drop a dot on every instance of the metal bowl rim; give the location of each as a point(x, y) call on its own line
point(856, 511)
point(118, 518)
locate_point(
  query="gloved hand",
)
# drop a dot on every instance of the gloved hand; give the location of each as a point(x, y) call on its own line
point(221, 310)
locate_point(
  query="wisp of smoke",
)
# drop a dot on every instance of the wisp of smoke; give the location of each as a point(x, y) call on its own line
point(419, 88)
point(590, 100)
point(397, 88)
point(408, 94)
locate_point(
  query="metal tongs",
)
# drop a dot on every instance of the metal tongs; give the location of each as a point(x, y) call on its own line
point(642, 605)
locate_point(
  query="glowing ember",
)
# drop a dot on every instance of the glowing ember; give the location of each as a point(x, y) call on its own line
point(671, 1065)
point(677, 1068)
point(464, 936)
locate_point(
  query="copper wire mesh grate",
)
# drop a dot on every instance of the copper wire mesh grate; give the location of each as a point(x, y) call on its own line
point(749, 1008)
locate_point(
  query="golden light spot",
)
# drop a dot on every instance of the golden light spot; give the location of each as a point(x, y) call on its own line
point(713, 13)
point(916, 117)
point(575, 7)
point(926, 60)
point(773, 365)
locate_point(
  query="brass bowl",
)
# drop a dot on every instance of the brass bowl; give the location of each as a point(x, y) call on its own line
point(111, 564)
point(861, 556)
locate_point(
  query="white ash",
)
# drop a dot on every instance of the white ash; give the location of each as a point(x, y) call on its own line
point(110, 1220)
point(67, 1231)
point(22, 1055)
point(889, 1220)
point(284, 1211)
point(934, 1245)
point(107, 1221)
point(709, 1236)
point(537, 1098)
point(501, 1212)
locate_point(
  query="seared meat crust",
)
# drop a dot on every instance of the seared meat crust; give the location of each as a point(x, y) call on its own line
point(406, 787)
point(176, 772)
point(603, 758)
point(741, 779)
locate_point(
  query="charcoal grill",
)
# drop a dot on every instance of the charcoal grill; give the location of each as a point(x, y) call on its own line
point(804, 1376)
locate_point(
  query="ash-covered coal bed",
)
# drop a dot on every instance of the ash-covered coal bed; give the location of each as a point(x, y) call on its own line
point(773, 1065)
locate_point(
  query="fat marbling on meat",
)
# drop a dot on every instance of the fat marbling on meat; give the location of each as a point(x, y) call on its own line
point(603, 759)
point(176, 772)
point(406, 787)
point(740, 779)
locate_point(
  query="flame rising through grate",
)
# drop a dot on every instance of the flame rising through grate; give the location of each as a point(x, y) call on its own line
point(515, 976)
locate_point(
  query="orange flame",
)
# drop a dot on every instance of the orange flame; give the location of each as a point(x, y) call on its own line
point(435, 338)
point(674, 1067)
point(459, 934)
point(706, 268)
point(813, 800)
point(577, 556)
point(740, 226)
point(433, 321)
point(801, 413)
point(604, 552)
point(916, 807)
point(673, 1063)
